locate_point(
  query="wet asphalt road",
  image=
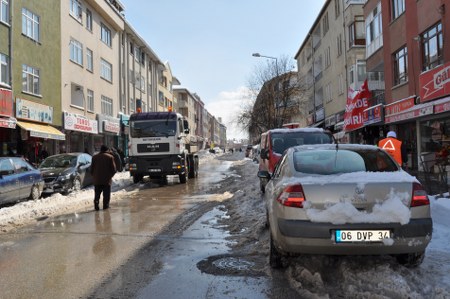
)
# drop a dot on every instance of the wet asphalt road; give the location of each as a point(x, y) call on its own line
point(73, 256)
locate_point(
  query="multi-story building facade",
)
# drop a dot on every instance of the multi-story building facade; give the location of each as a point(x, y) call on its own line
point(90, 73)
point(166, 97)
point(140, 69)
point(186, 106)
point(408, 42)
point(330, 60)
point(30, 77)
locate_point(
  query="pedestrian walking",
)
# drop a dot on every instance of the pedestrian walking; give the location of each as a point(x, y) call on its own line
point(117, 159)
point(103, 169)
point(395, 148)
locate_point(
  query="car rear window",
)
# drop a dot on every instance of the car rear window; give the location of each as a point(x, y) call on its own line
point(283, 141)
point(326, 162)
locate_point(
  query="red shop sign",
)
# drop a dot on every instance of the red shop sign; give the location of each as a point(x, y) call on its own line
point(435, 83)
point(399, 106)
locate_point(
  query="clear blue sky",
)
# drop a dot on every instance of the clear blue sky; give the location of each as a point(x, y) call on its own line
point(209, 43)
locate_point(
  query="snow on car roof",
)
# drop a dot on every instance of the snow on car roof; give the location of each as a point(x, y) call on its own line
point(286, 130)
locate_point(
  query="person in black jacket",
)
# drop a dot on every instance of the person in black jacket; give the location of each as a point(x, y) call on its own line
point(117, 159)
point(103, 169)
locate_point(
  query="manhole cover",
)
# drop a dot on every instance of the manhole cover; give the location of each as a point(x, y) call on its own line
point(233, 265)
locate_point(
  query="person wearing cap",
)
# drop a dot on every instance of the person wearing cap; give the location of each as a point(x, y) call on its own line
point(394, 147)
point(103, 169)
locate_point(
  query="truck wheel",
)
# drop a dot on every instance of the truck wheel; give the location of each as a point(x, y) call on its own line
point(137, 178)
point(191, 166)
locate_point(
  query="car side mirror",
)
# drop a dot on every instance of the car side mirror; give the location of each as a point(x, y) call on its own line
point(264, 174)
point(264, 154)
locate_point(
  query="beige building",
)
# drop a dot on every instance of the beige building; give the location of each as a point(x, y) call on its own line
point(186, 106)
point(90, 72)
point(331, 59)
point(166, 97)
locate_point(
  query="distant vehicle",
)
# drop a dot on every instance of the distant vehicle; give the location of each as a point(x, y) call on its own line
point(274, 142)
point(345, 199)
point(19, 180)
point(160, 145)
point(66, 172)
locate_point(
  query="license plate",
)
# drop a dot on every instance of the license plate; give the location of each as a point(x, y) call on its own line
point(361, 235)
point(154, 170)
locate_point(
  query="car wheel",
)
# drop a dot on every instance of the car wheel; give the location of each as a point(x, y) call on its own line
point(76, 184)
point(137, 178)
point(274, 256)
point(411, 259)
point(34, 193)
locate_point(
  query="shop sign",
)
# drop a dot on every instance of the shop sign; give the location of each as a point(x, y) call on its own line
point(9, 123)
point(6, 102)
point(110, 126)
point(34, 111)
point(399, 106)
point(330, 121)
point(340, 116)
point(418, 111)
point(80, 123)
point(320, 114)
point(373, 115)
point(435, 83)
point(442, 107)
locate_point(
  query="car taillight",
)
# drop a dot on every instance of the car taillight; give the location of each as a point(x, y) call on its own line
point(419, 196)
point(292, 196)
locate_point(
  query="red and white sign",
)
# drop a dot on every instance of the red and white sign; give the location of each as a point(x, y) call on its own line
point(6, 102)
point(9, 123)
point(443, 106)
point(113, 127)
point(435, 83)
point(354, 109)
point(416, 111)
point(80, 123)
point(399, 106)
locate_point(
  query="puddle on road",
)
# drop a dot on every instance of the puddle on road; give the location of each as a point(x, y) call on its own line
point(202, 267)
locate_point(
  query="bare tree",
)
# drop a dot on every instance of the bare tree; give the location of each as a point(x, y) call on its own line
point(276, 97)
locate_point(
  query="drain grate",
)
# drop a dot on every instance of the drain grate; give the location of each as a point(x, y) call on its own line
point(233, 265)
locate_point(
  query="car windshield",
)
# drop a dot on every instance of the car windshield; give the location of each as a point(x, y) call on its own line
point(153, 128)
point(326, 162)
point(283, 141)
point(59, 161)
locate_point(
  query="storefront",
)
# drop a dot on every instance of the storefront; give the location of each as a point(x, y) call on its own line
point(109, 128)
point(7, 124)
point(80, 132)
point(37, 138)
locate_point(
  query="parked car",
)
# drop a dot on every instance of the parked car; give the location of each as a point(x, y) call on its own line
point(274, 142)
point(345, 200)
point(66, 172)
point(19, 180)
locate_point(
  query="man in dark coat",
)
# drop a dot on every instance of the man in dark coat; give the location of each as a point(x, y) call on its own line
point(103, 169)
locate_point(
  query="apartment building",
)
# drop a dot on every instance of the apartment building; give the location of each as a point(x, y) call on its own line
point(30, 81)
point(406, 41)
point(90, 73)
point(330, 60)
point(186, 106)
point(167, 80)
point(139, 69)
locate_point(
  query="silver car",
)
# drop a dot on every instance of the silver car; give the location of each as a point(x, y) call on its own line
point(345, 199)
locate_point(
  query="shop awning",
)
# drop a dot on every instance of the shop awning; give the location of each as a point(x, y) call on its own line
point(41, 131)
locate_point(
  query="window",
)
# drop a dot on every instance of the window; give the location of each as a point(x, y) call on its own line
point(161, 98)
point(75, 10)
point(137, 53)
point(341, 84)
point(339, 45)
point(89, 60)
point(327, 57)
point(374, 26)
point(356, 32)
point(88, 20)
point(337, 8)
point(30, 80)
point(4, 69)
point(76, 52)
point(90, 100)
point(4, 11)
point(432, 47)
point(106, 70)
point(400, 66)
point(398, 7)
point(132, 105)
point(325, 24)
point(30, 24)
point(107, 106)
point(105, 35)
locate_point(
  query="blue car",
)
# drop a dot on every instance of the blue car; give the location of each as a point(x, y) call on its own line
point(19, 180)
